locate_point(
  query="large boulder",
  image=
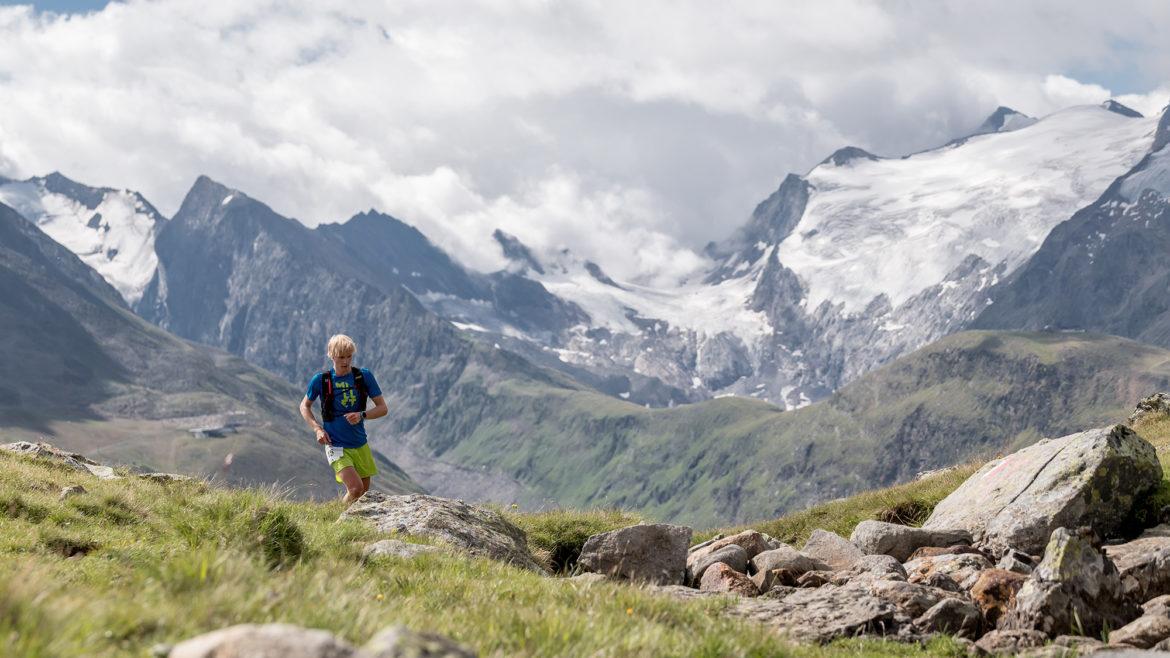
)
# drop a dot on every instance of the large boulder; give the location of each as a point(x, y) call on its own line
point(74, 460)
point(752, 542)
point(732, 555)
point(825, 613)
point(787, 557)
point(653, 553)
point(833, 549)
point(722, 578)
point(1073, 589)
point(900, 541)
point(473, 529)
point(1092, 478)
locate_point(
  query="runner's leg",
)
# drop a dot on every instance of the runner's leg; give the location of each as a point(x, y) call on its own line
point(352, 482)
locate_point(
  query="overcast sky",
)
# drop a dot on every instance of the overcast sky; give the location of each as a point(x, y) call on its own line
point(629, 132)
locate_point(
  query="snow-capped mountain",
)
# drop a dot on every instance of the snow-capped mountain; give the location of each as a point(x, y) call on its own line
point(841, 270)
point(112, 231)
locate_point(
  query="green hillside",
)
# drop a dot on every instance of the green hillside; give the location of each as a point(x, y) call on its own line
point(734, 460)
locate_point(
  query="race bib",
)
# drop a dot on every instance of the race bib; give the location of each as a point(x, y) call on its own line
point(333, 453)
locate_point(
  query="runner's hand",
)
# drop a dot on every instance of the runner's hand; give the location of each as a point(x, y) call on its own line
point(323, 437)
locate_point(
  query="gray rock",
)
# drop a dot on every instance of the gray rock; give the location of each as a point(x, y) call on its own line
point(473, 529)
point(911, 598)
point(1158, 403)
point(1016, 562)
point(652, 553)
point(74, 460)
point(1073, 589)
point(1091, 478)
point(836, 551)
point(789, 558)
point(1144, 564)
point(899, 541)
point(396, 548)
point(942, 581)
point(164, 478)
point(266, 641)
point(722, 578)
point(1143, 632)
point(69, 492)
point(1000, 642)
point(752, 542)
point(401, 642)
point(825, 613)
point(963, 568)
point(732, 555)
point(954, 616)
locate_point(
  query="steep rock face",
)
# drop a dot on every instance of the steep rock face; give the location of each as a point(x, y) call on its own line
point(1105, 269)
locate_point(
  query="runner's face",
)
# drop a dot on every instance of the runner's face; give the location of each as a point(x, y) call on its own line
point(341, 363)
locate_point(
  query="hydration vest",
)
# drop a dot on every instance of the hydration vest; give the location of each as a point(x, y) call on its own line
point(359, 383)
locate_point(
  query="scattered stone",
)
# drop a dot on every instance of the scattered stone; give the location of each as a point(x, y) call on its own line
point(814, 579)
point(702, 545)
point(732, 555)
point(911, 598)
point(1011, 641)
point(1144, 564)
point(1158, 403)
point(963, 568)
point(1073, 589)
point(899, 541)
point(1143, 632)
point(768, 579)
point(393, 547)
point(74, 460)
point(1016, 562)
point(401, 642)
point(250, 641)
point(69, 492)
point(1081, 644)
point(825, 613)
point(786, 557)
point(721, 578)
point(474, 529)
point(942, 581)
point(995, 591)
point(164, 478)
point(1017, 501)
point(753, 543)
point(652, 553)
point(836, 551)
point(953, 616)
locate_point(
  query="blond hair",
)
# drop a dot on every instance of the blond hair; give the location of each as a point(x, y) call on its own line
point(340, 345)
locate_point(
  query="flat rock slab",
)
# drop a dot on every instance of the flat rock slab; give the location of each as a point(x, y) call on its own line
point(74, 460)
point(467, 527)
point(1090, 478)
point(253, 641)
point(899, 541)
point(402, 549)
point(1144, 564)
point(654, 553)
point(833, 549)
point(825, 613)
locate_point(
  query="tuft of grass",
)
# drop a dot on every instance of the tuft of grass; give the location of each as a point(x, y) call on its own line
point(15, 507)
point(559, 535)
point(277, 536)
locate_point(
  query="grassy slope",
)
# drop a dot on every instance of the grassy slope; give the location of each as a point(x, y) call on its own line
point(167, 562)
point(969, 395)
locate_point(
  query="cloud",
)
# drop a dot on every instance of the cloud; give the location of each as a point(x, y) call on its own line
point(631, 133)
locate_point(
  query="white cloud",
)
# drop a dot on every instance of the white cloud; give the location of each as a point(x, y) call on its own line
point(629, 132)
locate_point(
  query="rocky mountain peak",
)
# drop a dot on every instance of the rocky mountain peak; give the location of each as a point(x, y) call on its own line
point(844, 156)
point(1004, 119)
point(1114, 106)
point(516, 251)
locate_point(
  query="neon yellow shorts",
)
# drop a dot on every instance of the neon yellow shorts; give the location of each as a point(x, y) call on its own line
point(361, 459)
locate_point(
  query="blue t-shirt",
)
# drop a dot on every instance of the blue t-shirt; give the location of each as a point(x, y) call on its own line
point(345, 400)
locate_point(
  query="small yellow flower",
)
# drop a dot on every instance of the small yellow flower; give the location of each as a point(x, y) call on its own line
point(379, 597)
point(629, 611)
point(393, 530)
point(514, 505)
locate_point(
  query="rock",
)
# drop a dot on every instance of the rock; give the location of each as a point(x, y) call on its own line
point(401, 642)
point(753, 543)
point(722, 578)
point(1144, 564)
point(836, 551)
point(1092, 478)
point(732, 555)
point(1073, 589)
point(953, 616)
point(1016, 562)
point(164, 478)
point(652, 553)
point(825, 613)
point(74, 460)
point(765, 581)
point(1158, 403)
point(786, 557)
point(1143, 632)
point(397, 548)
point(253, 641)
point(705, 544)
point(899, 541)
point(69, 492)
point(995, 591)
point(1081, 644)
point(473, 529)
point(963, 568)
point(942, 581)
point(814, 579)
point(911, 598)
point(1010, 642)
point(589, 578)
